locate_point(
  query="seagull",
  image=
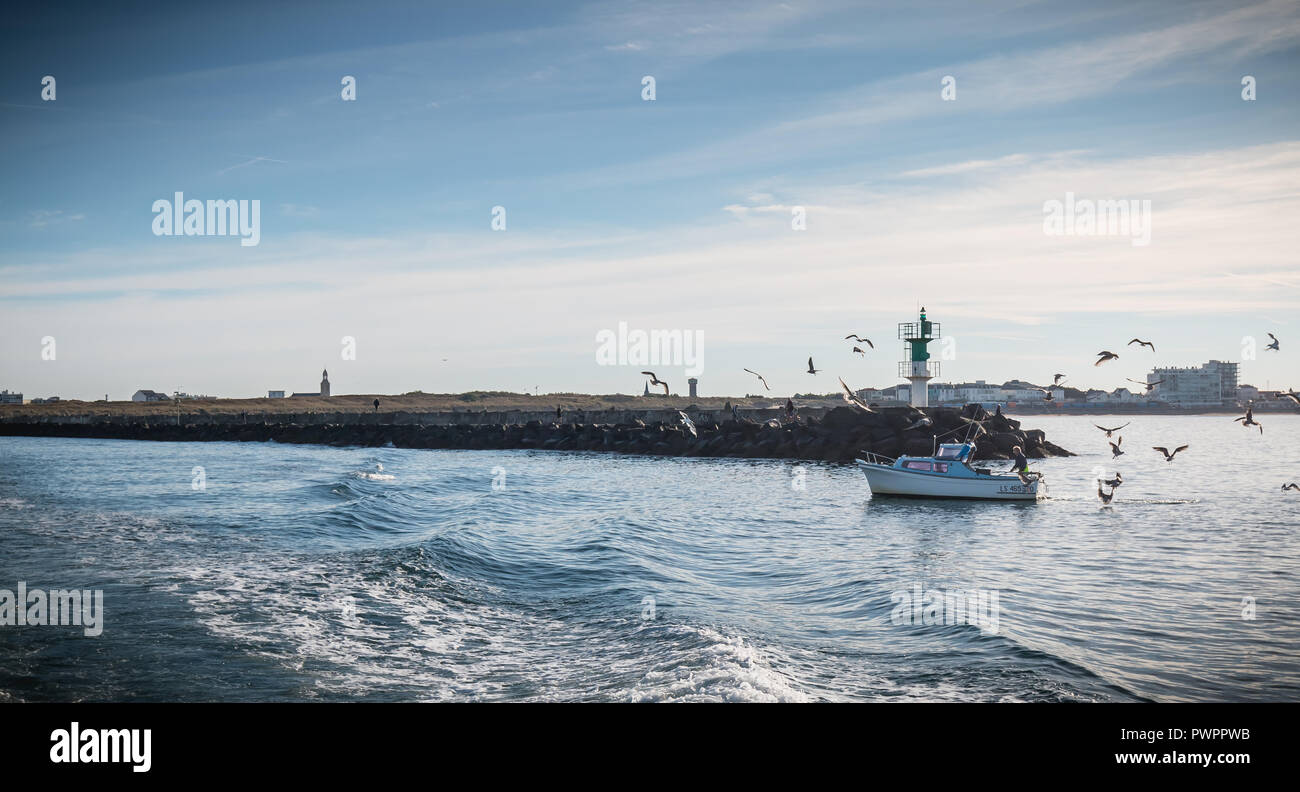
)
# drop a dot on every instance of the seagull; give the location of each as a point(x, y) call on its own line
point(921, 422)
point(1047, 395)
point(859, 351)
point(760, 379)
point(852, 398)
point(1249, 420)
point(1103, 356)
point(1273, 346)
point(1105, 496)
point(860, 340)
point(656, 381)
point(1116, 429)
point(1291, 486)
point(1168, 456)
point(1056, 378)
point(1113, 483)
point(688, 423)
point(1115, 448)
point(1147, 385)
point(1292, 395)
point(812, 370)
point(1142, 343)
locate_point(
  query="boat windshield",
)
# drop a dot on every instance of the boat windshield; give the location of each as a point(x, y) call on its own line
point(951, 452)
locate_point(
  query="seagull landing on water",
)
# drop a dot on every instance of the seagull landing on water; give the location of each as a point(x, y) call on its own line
point(1109, 431)
point(1103, 356)
point(1273, 346)
point(760, 378)
point(656, 381)
point(1168, 456)
point(1249, 420)
point(860, 340)
point(1115, 450)
point(686, 421)
point(812, 370)
point(1140, 342)
point(852, 398)
point(1105, 496)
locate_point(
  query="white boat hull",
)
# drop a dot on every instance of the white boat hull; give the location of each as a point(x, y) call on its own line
point(885, 480)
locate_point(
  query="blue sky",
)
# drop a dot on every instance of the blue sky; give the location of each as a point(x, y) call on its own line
point(671, 214)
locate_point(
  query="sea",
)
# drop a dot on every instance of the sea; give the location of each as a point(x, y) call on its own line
point(275, 572)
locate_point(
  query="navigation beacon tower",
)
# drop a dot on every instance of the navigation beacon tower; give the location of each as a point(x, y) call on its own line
point(917, 367)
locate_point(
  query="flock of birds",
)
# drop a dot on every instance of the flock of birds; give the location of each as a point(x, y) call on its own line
point(1115, 446)
point(922, 420)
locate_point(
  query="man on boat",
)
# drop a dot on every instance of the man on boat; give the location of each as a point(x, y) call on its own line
point(1019, 464)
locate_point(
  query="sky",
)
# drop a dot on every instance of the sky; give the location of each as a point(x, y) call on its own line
point(672, 214)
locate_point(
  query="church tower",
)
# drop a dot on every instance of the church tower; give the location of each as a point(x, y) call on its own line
point(324, 382)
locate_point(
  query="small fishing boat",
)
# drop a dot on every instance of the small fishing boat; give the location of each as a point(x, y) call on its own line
point(946, 474)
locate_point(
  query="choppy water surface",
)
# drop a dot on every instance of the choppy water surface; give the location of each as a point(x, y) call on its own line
point(309, 573)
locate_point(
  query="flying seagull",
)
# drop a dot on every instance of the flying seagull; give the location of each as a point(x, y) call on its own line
point(1103, 356)
point(920, 423)
point(1056, 378)
point(1105, 496)
point(760, 379)
point(1113, 483)
point(1142, 343)
point(1115, 448)
point(1147, 385)
point(1292, 395)
point(859, 351)
point(1116, 429)
point(656, 381)
point(1291, 486)
point(1249, 420)
point(686, 421)
point(1273, 346)
point(860, 340)
point(1168, 456)
point(852, 398)
point(812, 370)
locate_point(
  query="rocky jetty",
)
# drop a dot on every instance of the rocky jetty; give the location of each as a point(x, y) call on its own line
point(839, 435)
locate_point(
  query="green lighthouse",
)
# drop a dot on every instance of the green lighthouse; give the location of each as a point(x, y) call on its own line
point(917, 367)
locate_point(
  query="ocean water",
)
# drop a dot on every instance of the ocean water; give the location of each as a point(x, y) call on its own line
point(308, 573)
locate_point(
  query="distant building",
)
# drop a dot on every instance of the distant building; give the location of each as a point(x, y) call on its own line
point(1247, 393)
point(1213, 384)
point(692, 382)
point(48, 400)
point(148, 396)
point(275, 394)
point(10, 398)
point(324, 386)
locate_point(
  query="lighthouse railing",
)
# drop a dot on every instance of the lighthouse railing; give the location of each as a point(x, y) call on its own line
point(918, 368)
